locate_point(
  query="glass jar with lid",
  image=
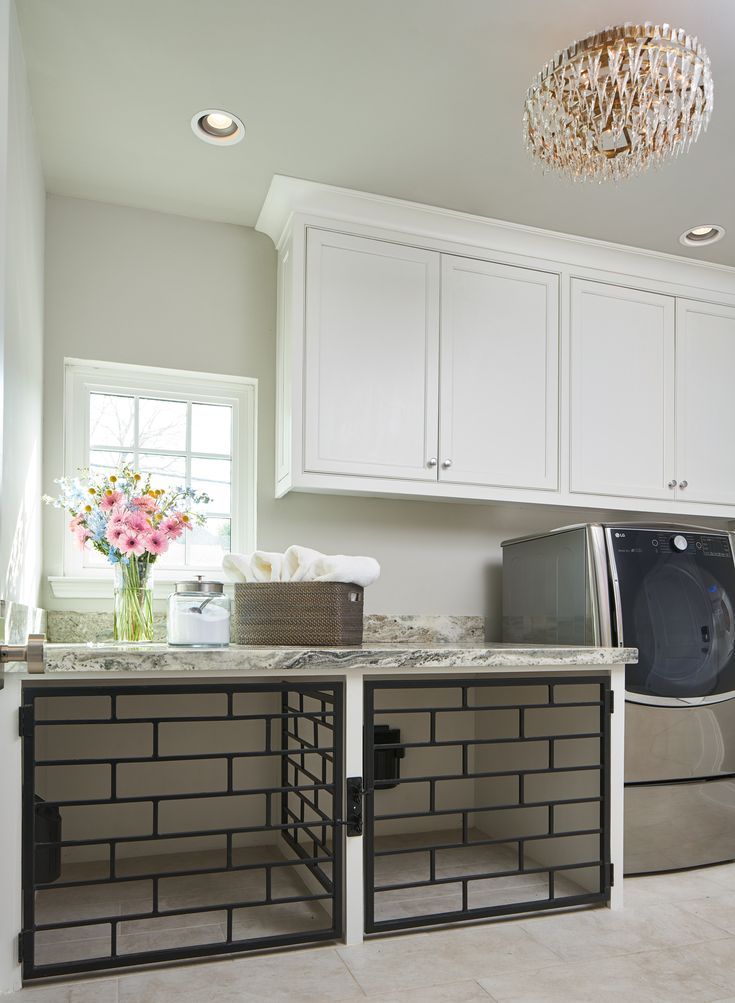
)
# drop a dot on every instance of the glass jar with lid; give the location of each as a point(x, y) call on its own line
point(199, 615)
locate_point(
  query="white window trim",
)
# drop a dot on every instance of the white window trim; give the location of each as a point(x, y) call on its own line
point(82, 377)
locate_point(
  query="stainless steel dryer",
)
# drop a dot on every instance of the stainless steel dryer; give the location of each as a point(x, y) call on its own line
point(668, 590)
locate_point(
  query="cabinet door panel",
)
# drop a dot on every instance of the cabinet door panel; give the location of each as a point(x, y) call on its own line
point(499, 372)
point(705, 403)
point(621, 392)
point(372, 341)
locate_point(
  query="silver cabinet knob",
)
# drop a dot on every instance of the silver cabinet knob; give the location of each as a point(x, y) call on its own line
point(672, 484)
point(683, 484)
point(446, 464)
point(431, 462)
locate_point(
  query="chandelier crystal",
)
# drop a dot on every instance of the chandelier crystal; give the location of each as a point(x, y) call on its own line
point(619, 101)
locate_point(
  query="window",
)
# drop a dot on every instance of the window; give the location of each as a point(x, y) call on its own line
point(189, 429)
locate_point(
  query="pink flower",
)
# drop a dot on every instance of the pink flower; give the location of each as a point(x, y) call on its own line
point(145, 502)
point(82, 535)
point(184, 520)
point(137, 522)
point(76, 522)
point(131, 543)
point(171, 527)
point(118, 516)
point(156, 542)
point(109, 502)
point(115, 532)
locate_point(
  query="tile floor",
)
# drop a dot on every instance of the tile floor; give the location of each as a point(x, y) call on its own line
point(675, 940)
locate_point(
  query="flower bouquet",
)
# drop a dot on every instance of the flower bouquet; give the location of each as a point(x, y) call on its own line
point(131, 524)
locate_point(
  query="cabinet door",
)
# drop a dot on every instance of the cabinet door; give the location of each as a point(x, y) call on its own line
point(372, 342)
point(499, 372)
point(705, 402)
point(621, 392)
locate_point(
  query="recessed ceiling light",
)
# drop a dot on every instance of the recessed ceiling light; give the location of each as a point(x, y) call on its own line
point(221, 128)
point(707, 233)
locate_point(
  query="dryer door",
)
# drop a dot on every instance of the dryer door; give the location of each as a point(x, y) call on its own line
point(676, 600)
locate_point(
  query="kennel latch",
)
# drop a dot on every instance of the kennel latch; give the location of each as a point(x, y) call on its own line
point(353, 806)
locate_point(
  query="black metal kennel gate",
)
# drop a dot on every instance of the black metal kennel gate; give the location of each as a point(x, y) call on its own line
point(546, 836)
point(174, 821)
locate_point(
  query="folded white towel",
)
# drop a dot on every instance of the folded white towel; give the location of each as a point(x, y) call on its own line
point(266, 567)
point(361, 571)
point(298, 562)
point(301, 564)
point(238, 567)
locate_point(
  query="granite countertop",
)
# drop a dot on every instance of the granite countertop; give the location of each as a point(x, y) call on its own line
point(158, 658)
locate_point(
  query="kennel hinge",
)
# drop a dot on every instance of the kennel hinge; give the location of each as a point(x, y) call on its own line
point(24, 938)
point(25, 720)
point(610, 701)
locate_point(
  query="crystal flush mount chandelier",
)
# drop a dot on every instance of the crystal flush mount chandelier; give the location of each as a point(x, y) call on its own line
point(619, 101)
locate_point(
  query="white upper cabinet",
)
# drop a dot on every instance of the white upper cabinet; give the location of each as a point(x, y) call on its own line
point(431, 354)
point(371, 358)
point(621, 392)
point(499, 375)
point(705, 432)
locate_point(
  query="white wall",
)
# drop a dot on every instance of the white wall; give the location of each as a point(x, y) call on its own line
point(129, 285)
point(21, 377)
point(21, 357)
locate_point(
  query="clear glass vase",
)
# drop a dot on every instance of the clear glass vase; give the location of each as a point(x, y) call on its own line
point(133, 610)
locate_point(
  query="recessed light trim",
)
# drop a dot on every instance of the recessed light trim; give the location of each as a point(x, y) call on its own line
point(704, 233)
point(218, 127)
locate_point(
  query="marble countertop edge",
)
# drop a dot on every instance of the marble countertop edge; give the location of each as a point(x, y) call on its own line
point(161, 658)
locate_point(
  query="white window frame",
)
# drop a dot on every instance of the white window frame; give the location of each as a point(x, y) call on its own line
point(84, 377)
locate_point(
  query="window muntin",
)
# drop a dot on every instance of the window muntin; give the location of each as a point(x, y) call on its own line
point(183, 428)
point(156, 436)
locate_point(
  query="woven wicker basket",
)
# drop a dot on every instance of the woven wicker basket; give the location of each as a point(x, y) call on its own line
point(303, 613)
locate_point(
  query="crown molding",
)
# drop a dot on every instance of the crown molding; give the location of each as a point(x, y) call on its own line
point(289, 197)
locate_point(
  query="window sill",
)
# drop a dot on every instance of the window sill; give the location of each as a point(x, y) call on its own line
point(101, 587)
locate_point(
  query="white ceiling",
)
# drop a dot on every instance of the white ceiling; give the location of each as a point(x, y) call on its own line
point(419, 99)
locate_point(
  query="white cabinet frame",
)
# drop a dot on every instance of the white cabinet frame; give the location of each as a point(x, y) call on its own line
point(353, 904)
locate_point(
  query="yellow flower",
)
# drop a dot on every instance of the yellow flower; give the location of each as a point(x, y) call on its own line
point(136, 477)
point(108, 492)
point(113, 479)
point(185, 518)
point(87, 508)
point(92, 491)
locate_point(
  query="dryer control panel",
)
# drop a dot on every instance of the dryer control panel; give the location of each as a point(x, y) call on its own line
point(669, 541)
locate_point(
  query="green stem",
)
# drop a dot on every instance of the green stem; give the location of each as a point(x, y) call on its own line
point(133, 613)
